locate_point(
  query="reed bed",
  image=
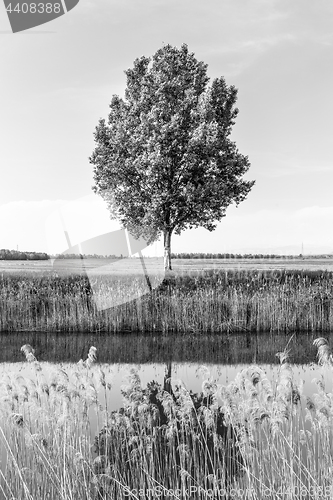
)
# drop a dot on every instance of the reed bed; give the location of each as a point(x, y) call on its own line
point(216, 301)
point(45, 430)
point(282, 441)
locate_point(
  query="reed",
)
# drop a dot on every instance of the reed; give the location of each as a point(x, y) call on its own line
point(216, 301)
point(254, 438)
point(45, 430)
point(165, 440)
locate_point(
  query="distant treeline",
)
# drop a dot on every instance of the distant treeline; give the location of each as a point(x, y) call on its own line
point(84, 256)
point(16, 255)
point(241, 256)
point(6, 254)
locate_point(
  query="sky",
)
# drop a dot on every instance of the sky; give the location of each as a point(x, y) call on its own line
point(57, 81)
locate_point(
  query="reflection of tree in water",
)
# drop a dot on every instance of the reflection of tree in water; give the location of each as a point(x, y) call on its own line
point(168, 437)
point(246, 348)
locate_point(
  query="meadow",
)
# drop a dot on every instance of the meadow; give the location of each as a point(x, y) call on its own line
point(252, 438)
point(191, 299)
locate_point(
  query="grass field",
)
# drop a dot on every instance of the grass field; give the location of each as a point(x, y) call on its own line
point(179, 265)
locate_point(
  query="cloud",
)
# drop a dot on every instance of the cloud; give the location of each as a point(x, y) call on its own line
point(255, 45)
point(22, 224)
point(264, 231)
point(37, 226)
point(49, 225)
point(290, 168)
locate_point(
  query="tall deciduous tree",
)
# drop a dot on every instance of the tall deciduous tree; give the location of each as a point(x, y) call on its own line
point(165, 161)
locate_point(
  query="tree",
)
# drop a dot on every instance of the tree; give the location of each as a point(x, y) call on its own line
point(165, 162)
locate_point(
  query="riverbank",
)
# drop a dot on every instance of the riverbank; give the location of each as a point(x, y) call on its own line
point(212, 301)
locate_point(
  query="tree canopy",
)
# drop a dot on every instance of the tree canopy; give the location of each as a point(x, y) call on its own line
point(164, 161)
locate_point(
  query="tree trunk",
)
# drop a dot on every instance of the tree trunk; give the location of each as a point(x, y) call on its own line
point(167, 250)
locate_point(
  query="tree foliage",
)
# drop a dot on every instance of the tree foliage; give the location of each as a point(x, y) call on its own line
point(164, 161)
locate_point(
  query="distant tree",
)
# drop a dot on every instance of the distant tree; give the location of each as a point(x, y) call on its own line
point(165, 162)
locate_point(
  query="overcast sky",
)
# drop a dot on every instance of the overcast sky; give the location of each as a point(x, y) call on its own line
point(57, 81)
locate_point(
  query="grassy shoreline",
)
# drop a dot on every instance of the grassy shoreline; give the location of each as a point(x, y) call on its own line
point(215, 301)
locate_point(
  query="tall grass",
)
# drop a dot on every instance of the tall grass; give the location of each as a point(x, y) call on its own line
point(45, 430)
point(165, 443)
point(217, 301)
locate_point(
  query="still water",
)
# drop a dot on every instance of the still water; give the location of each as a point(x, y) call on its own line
point(231, 349)
point(224, 356)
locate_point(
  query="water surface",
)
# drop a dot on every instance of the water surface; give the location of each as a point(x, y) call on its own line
point(231, 349)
